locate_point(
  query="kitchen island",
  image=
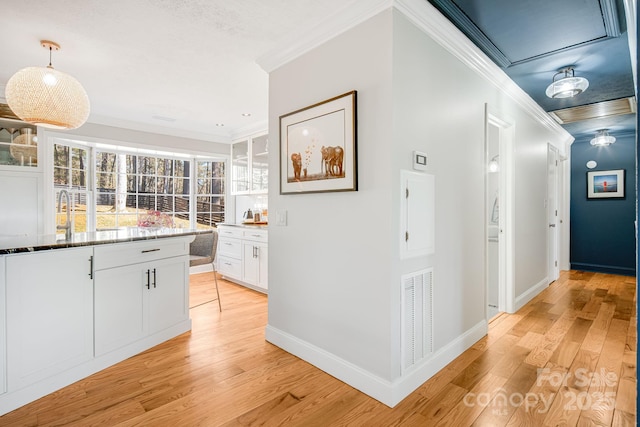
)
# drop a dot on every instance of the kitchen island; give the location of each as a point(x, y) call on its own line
point(75, 306)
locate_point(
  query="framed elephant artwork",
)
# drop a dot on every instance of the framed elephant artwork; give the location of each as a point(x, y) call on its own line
point(318, 147)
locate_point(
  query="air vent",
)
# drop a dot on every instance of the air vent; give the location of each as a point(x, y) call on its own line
point(614, 107)
point(417, 317)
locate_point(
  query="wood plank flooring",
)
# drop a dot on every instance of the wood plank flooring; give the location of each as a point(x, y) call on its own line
point(566, 358)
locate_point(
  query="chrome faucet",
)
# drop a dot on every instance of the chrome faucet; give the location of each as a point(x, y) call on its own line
point(67, 224)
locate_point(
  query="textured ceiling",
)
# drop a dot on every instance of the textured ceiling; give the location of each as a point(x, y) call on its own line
point(182, 65)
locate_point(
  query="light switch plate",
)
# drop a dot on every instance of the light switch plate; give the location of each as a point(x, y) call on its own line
point(281, 218)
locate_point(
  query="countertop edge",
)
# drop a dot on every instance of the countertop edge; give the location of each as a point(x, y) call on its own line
point(84, 240)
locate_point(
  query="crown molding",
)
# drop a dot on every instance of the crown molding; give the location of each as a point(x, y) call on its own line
point(250, 130)
point(433, 23)
point(341, 20)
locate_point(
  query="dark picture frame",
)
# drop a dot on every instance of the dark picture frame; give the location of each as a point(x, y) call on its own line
point(605, 184)
point(318, 147)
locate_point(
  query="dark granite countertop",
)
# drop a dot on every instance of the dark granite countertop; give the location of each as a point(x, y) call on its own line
point(19, 244)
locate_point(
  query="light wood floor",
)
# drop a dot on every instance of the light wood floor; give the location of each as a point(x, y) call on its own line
point(566, 358)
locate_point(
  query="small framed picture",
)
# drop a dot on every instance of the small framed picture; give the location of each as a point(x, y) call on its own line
point(318, 147)
point(605, 184)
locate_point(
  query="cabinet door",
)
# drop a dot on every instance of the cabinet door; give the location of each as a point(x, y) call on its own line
point(3, 338)
point(263, 265)
point(119, 299)
point(260, 164)
point(250, 263)
point(168, 296)
point(240, 167)
point(49, 313)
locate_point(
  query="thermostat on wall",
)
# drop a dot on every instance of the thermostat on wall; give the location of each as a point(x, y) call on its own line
point(419, 161)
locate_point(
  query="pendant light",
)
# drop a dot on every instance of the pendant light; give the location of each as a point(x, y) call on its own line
point(603, 138)
point(47, 97)
point(567, 86)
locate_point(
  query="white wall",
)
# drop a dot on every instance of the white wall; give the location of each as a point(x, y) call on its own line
point(329, 270)
point(334, 296)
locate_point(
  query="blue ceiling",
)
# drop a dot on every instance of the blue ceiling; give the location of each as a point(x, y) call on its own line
point(532, 39)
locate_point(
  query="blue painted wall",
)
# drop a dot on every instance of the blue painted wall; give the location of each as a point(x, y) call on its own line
point(602, 230)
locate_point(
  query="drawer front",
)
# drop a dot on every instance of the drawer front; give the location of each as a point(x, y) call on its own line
point(231, 248)
point(229, 267)
point(119, 254)
point(255, 235)
point(235, 232)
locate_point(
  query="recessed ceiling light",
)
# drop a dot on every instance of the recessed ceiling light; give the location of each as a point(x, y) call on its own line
point(246, 114)
point(219, 124)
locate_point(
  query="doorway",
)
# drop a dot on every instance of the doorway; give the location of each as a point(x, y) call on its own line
point(553, 268)
point(498, 214)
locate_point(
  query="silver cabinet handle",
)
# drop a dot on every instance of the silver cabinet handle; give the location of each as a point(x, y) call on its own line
point(154, 277)
point(148, 279)
point(150, 250)
point(91, 267)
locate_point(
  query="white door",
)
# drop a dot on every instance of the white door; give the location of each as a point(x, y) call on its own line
point(552, 212)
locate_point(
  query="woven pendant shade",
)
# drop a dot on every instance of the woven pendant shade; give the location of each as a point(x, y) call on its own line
point(47, 97)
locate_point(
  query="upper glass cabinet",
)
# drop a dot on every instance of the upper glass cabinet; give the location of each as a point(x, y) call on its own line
point(18, 144)
point(249, 165)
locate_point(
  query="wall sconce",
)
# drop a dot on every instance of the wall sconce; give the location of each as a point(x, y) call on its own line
point(568, 86)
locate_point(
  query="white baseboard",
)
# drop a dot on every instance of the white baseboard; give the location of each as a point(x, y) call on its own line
point(387, 392)
point(531, 293)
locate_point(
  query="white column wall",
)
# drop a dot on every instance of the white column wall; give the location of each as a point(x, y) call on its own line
point(329, 268)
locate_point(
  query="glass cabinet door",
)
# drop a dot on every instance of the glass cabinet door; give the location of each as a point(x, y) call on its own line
point(18, 144)
point(240, 167)
point(260, 163)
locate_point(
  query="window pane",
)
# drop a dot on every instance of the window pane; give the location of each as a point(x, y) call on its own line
point(60, 155)
point(147, 184)
point(131, 163)
point(147, 202)
point(181, 186)
point(79, 179)
point(105, 181)
point(132, 183)
point(165, 203)
point(78, 158)
point(60, 176)
point(217, 186)
point(182, 204)
point(146, 165)
point(165, 185)
point(181, 168)
point(105, 162)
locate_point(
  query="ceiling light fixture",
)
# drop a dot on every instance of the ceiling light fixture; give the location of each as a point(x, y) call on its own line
point(47, 97)
point(603, 138)
point(567, 86)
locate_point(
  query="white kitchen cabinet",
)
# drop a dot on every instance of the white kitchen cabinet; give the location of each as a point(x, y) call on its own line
point(254, 267)
point(243, 255)
point(49, 313)
point(229, 256)
point(138, 300)
point(3, 337)
point(249, 165)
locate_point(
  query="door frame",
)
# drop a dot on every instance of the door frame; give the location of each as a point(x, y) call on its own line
point(506, 133)
point(553, 214)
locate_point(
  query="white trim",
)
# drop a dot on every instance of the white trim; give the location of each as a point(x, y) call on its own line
point(387, 392)
point(297, 44)
point(434, 24)
point(531, 293)
point(632, 35)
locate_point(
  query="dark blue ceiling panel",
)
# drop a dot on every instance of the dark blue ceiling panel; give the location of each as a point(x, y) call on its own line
point(526, 29)
point(532, 39)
